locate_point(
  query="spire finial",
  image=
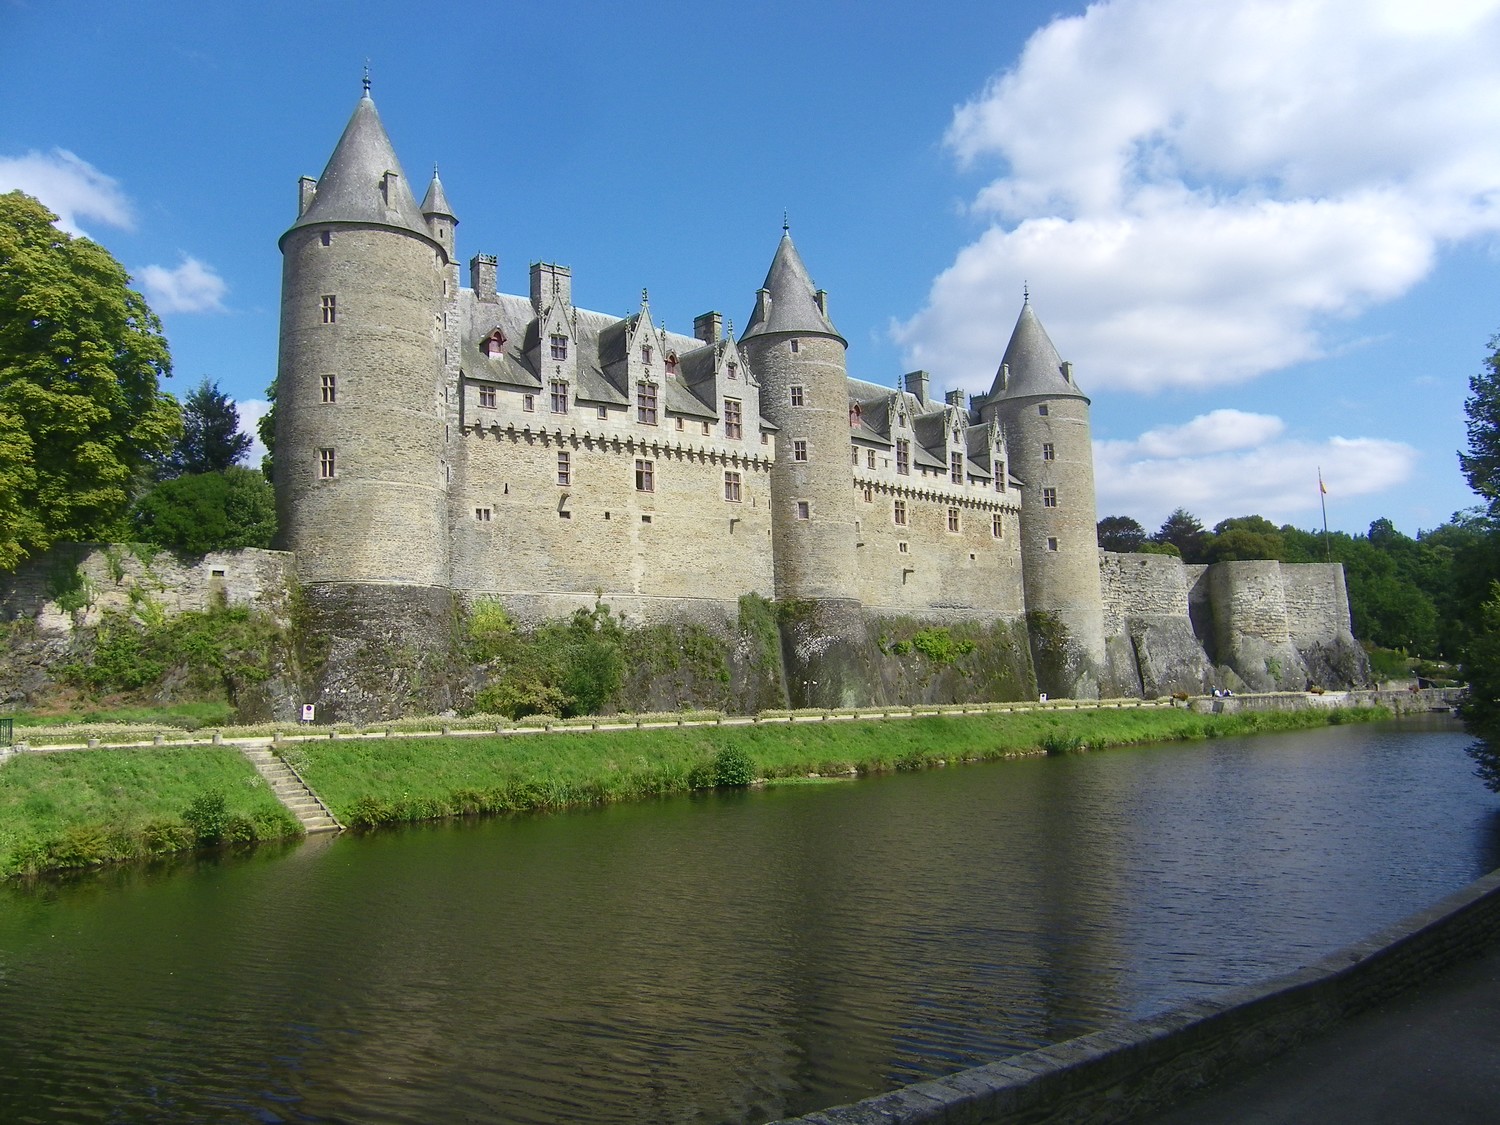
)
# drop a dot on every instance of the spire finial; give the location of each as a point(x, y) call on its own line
point(1025, 293)
point(645, 297)
point(434, 170)
point(367, 78)
point(786, 226)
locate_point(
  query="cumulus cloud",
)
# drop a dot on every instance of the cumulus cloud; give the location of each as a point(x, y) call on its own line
point(251, 411)
point(70, 187)
point(1228, 463)
point(192, 286)
point(1198, 192)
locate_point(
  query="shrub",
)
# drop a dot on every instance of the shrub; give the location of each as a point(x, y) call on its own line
point(733, 768)
point(206, 817)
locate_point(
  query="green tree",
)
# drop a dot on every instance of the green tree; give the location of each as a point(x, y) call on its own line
point(266, 428)
point(1120, 533)
point(1244, 537)
point(211, 440)
point(1185, 532)
point(208, 512)
point(1481, 462)
point(81, 357)
point(1481, 710)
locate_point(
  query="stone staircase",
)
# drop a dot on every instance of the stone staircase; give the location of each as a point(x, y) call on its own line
point(291, 790)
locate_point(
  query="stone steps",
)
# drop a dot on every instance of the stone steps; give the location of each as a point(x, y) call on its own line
point(291, 790)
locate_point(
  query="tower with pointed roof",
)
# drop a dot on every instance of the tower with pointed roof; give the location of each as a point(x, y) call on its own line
point(361, 457)
point(1045, 417)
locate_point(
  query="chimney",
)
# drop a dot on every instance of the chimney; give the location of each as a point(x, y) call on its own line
point(954, 398)
point(709, 327)
point(821, 296)
point(916, 383)
point(484, 270)
point(307, 189)
point(550, 283)
point(1067, 372)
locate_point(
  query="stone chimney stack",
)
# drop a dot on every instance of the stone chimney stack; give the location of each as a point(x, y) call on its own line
point(708, 327)
point(550, 283)
point(307, 187)
point(917, 383)
point(954, 398)
point(484, 277)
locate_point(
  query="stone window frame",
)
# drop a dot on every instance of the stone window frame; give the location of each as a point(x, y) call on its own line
point(799, 450)
point(1049, 451)
point(732, 483)
point(482, 515)
point(327, 463)
point(898, 512)
point(796, 394)
point(903, 457)
point(329, 387)
point(645, 475)
point(1052, 543)
point(794, 347)
point(734, 419)
point(854, 456)
point(1042, 409)
point(954, 524)
point(869, 494)
point(732, 371)
point(558, 390)
point(804, 510)
point(487, 397)
point(558, 344)
point(564, 468)
point(997, 526)
point(1049, 497)
point(646, 353)
point(603, 411)
point(704, 427)
point(646, 411)
point(869, 459)
point(329, 304)
point(528, 403)
point(681, 422)
point(903, 546)
point(1000, 477)
point(956, 468)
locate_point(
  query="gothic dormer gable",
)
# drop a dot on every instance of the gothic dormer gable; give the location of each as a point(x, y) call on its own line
point(553, 350)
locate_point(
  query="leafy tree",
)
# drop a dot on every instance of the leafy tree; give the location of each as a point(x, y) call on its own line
point(1481, 463)
point(211, 440)
point(1121, 533)
point(1185, 532)
point(1244, 537)
point(208, 512)
point(81, 357)
point(1481, 711)
point(266, 428)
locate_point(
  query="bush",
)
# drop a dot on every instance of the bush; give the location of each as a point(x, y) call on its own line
point(733, 768)
point(208, 512)
point(206, 817)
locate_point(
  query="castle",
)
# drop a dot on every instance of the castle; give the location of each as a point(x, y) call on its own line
point(435, 438)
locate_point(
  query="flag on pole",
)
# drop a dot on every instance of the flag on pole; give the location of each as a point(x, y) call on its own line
point(1322, 488)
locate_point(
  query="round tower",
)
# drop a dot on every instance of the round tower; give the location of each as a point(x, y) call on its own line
point(359, 460)
point(799, 359)
point(1045, 418)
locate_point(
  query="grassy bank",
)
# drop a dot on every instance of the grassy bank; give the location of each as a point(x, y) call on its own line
point(81, 809)
point(389, 781)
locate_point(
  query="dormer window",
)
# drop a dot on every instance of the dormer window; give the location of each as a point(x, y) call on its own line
point(645, 353)
point(645, 404)
point(854, 415)
point(494, 343)
point(732, 371)
point(956, 467)
point(559, 346)
point(671, 361)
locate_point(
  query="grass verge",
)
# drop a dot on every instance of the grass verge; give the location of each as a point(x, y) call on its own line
point(81, 809)
point(391, 781)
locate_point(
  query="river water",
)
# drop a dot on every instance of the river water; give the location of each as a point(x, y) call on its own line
point(730, 958)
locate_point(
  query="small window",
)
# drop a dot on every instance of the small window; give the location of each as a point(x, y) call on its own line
point(216, 573)
point(797, 395)
point(559, 392)
point(327, 466)
point(604, 412)
point(645, 476)
point(1048, 452)
point(733, 419)
point(671, 361)
point(646, 519)
point(1042, 410)
point(765, 439)
point(731, 486)
point(559, 347)
point(528, 403)
point(803, 511)
point(952, 519)
point(854, 457)
point(794, 347)
point(899, 513)
point(564, 467)
point(1000, 476)
point(869, 495)
point(997, 526)
point(1052, 543)
point(482, 515)
point(330, 388)
point(645, 404)
point(326, 237)
point(869, 458)
point(901, 546)
point(487, 397)
point(681, 422)
point(854, 414)
point(705, 428)
point(732, 371)
point(564, 515)
point(956, 468)
point(903, 457)
point(645, 353)
point(799, 451)
point(1049, 497)
point(330, 308)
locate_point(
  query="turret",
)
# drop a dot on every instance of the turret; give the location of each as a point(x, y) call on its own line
point(360, 443)
point(799, 360)
point(1045, 418)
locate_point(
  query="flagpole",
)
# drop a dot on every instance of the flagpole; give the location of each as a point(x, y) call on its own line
point(1323, 500)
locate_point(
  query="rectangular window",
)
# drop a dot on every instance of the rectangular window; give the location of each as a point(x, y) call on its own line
point(645, 353)
point(901, 546)
point(680, 422)
point(731, 486)
point(903, 457)
point(797, 395)
point(803, 511)
point(528, 403)
point(869, 495)
point(645, 404)
point(799, 451)
point(326, 464)
point(1000, 476)
point(645, 476)
point(869, 458)
point(1049, 497)
point(330, 388)
point(899, 513)
point(482, 515)
point(326, 237)
point(330, 308)
point(487, 397)
point(704, 429)
point(1052, 543)
point(997, 526)
point(1048, 453)
point(952, 519)
point(794, 347)
point(765, 439)
point(732, 370)
point(854, 457)
point(559, 389)
point(733, 419)
point(559, 347)
point(604, 412)
point(564, 467)
point(1042, 410)
point(956, 468)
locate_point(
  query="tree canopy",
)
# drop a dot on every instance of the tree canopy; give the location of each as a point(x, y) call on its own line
point(1184, 531)
point(208, 512)
point(1481, 461)
point(81, 409)
point(1120, 533)
point(211, 440)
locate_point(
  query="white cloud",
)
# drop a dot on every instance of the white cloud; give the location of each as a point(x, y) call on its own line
point(1228, 463)
point(1198, 192)
point(70, 187)
point(192, 287)
point(251, 411)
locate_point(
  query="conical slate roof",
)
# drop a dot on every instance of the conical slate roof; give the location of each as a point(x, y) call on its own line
point(349, 190)
point(1035, 367)
point(788, 303)
point(436, 202)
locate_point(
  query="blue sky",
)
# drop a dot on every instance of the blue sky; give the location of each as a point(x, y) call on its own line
point(1264, 231)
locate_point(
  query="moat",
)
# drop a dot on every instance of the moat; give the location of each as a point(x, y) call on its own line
point(726, 958)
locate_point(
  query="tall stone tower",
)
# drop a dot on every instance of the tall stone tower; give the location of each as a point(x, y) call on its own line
point(799, 359)
point(360, 464)
point(1046, 422)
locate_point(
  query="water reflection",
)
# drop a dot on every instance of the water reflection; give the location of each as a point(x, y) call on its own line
point(727, 958)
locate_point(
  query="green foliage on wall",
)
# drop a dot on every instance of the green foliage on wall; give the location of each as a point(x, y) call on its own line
point(565, 668)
